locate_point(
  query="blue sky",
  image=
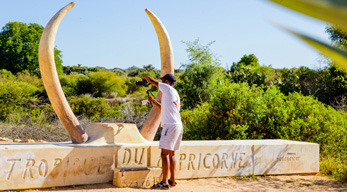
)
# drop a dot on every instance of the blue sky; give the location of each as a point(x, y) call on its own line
point(118, 33)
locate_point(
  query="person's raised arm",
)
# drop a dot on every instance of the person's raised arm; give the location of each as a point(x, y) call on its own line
point(155, 102)
point(151, 81)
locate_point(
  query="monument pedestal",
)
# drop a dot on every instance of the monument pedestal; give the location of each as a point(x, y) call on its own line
point(144, 177)
point(118, 152)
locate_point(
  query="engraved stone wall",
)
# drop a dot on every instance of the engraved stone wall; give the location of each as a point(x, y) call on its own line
point(132, 156)
point(62, 164)
point(55, 166)
point(286, 158)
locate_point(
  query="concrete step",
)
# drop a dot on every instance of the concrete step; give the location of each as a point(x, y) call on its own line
point(143, 177)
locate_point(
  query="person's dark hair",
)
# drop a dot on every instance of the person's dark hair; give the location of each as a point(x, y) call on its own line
point(170, 77)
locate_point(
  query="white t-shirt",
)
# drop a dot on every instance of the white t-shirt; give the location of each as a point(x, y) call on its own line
point(170, 105)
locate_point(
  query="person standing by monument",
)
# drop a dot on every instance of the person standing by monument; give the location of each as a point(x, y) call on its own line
point(171, 135)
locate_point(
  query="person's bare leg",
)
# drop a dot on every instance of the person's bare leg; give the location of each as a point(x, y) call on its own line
point(165, 164)
point(172, 166)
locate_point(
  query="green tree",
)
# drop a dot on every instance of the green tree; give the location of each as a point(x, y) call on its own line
point(337, 36)
point(248, 60)
point(133, 71)
point(244, 71)
point(333, 88)
point(334, 85)
point(288, 81)
point(147, 73)
point(19, 43)
point(201, 76)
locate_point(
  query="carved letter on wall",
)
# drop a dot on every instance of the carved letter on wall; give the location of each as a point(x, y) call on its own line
point(223, 161)
point(126, 160)
point(191, 159)
point(182, 158)
point(77, 170)
point(43, 168)
point(233, 160)
point(104, 164)
point(208, 154)
point(29, 164)
point(199, 161)
point(90, 165)
point(241, 155)
point(141, 156)
point(215, 161)
point(12, 167)
point(67, 166)
point(56, 165)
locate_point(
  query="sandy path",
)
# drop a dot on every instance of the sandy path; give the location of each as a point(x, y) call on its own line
point(259, 184)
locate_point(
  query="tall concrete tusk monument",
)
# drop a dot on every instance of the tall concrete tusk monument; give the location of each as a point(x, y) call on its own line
point(118, 152)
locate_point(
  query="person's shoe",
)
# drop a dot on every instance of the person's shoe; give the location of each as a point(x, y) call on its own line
point(161, 185)
point(172, 184)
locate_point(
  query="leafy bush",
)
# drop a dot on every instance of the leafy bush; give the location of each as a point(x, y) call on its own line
point(69, 85)
point(16, 97)
point(228, 115)
point(132, 87)
point(5, 74)
point(335, 167)
point(25, 76)
point(147, 73)
point(92, 108)
point(239, 111)
point(83, 85)
point(100, 82)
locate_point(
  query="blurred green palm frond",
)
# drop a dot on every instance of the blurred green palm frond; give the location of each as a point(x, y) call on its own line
point(332, 11)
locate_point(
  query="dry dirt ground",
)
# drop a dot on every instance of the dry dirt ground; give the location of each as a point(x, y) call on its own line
point(259, 184)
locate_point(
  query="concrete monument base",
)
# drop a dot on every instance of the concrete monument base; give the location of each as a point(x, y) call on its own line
point(118, 152)
point(137, 177)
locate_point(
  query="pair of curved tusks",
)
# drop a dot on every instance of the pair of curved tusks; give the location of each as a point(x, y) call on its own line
point(55, 92)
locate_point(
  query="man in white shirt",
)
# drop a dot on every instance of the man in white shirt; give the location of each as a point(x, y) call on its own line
point(171, 135)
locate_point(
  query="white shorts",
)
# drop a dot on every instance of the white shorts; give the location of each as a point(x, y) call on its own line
point(171, 137)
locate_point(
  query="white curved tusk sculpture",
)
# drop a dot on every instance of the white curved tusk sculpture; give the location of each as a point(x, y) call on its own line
point(151, 125)
point(51, 81)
